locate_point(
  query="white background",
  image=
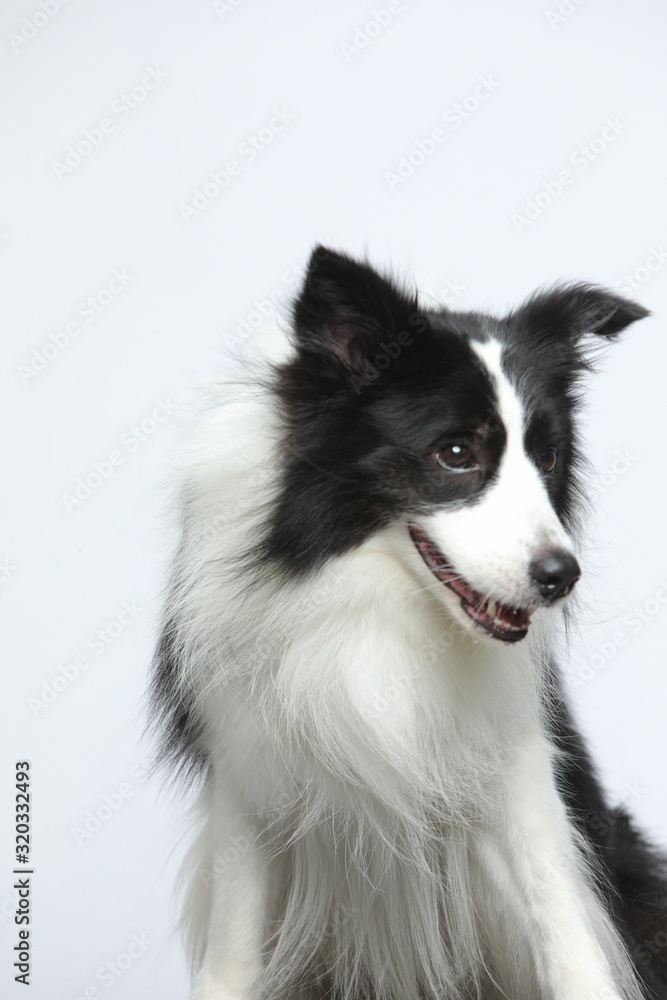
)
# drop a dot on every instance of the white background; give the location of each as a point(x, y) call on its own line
point(449, 225)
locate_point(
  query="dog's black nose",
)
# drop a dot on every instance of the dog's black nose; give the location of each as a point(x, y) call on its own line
point(555, 574)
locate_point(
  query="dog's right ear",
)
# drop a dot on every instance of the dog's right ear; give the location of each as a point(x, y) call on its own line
point(346, 310)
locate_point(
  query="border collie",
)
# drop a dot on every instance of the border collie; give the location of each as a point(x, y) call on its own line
point(356, 662)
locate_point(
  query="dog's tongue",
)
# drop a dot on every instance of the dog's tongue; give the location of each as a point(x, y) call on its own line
point(499, 620)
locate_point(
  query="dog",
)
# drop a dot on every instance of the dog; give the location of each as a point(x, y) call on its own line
point(356, 665)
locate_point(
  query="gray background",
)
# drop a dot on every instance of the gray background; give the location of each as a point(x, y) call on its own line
point(190, 300)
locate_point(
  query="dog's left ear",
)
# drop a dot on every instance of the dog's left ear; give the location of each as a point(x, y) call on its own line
point(347, 310)
point(567, 313)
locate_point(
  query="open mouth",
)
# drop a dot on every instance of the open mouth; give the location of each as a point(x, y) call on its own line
point(499, 620)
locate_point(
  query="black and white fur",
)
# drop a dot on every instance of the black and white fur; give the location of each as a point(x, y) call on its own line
point(356, 664)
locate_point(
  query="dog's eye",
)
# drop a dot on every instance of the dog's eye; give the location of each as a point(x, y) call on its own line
point(548, 459)
point(456, 458)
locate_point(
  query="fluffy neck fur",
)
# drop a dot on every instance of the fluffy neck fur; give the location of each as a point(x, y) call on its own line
point(375, 733)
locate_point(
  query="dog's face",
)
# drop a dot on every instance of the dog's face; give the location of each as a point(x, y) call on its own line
point(456, 426)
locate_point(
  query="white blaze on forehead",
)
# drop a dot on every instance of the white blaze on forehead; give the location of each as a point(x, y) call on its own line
point(511, 410)
point(492, 541)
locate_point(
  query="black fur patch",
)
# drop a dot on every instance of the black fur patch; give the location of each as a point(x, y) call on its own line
point(634, 875)
point(173, 719)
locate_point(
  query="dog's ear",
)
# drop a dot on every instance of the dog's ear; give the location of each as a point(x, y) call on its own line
point(565, 314)
point(347, 309)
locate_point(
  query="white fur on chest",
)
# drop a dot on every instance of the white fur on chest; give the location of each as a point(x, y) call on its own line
point(371, 758)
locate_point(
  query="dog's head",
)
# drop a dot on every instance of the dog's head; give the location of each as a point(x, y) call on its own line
point(457, 427)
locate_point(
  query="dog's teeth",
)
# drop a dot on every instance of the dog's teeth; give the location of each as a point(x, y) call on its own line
point(491, 609)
